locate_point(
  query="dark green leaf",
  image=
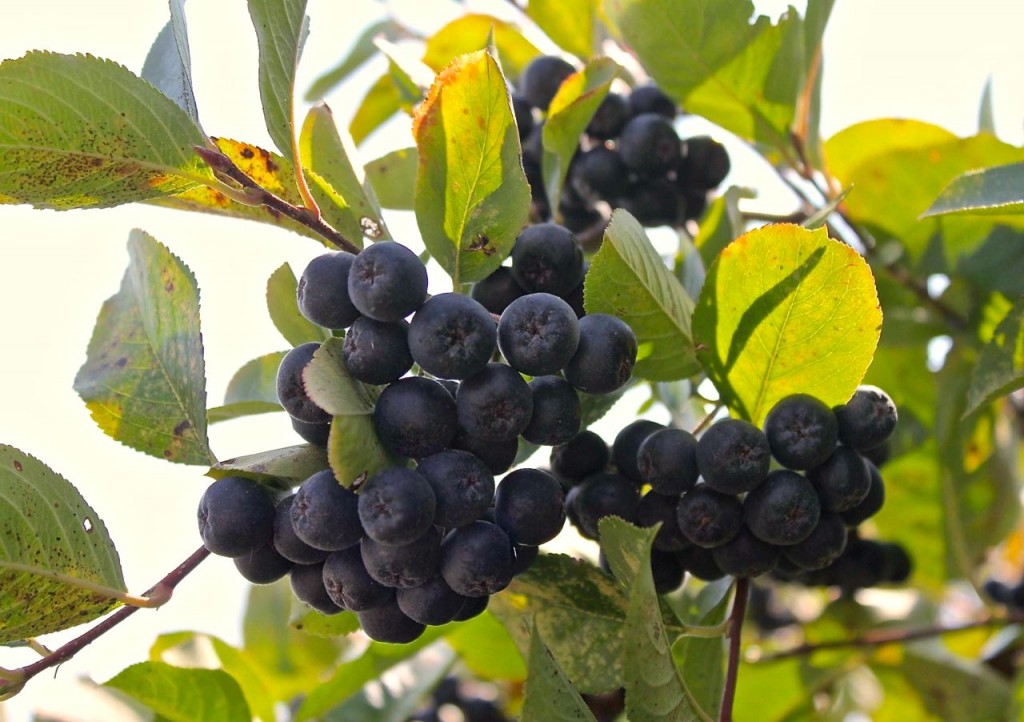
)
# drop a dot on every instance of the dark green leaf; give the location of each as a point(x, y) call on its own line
point(144, 377)
point(335, 183)
point(549, 694)
point(281, 468)
point(58, 565)
point(786, 310)
point(184, 695)
point(628, 279)
point(255, 381)
point(701, 661)
point(282, 304)
point(168, 65)
point(393, 177)
point(363, 49)
point(474, 31)
point(568, 116)
point(77, 131)
point(472, 197)
point(997, 264)
point(1000, 367)
point(990, 191)
point(744, 77)
point(281, 30)
point(570, 23)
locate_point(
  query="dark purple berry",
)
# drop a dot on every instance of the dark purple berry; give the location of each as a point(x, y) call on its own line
point(387, 281)
point(377, 352)
point(495, 404)
point(415, 417)
point(476, 560)
point(733, 456)
point(462, 484)
point(291, 391)
point(322, 292)
point(783, 510)
point(452, 336)
point(802, 431)
point(709, 518)
point(538, 333)
point(529, 506)
point(604, 359)
point(667, 460)
point(396, 506)
point(308, 584)
point(867, 419)
point(547, 258)
point(236, 516)
point(556, 411)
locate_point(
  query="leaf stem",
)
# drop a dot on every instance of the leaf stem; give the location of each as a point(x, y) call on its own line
point(102, 590)
point(897, 636)
point(707, 632)
point(12, 681)
point(739, 609)
point(706, 421)
point(261, 196)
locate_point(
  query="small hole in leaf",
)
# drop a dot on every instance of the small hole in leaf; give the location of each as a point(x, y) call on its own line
point(371, 229)
point(87, 524)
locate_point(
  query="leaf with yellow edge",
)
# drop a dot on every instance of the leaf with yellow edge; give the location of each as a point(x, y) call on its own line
point(786, 310)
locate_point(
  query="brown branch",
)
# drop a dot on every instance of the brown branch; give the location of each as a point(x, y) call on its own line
point(17, 678)
point(708, 418)
point(261, 196)
point(896, 636)
point(739, 609)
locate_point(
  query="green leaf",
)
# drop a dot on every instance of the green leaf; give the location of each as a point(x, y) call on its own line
point(281, 30)
point(472, 197)
point(330, 386)
point(570, 112)
point(997, 264)
point(913, 161)
point(786, 310)
point(744, 77)
point(654, 689)
point(282, 304)
point(1000, 368)
point(81, 132)
point(364, 48)
point(628, 279)
point(280, 468)
point(184, 695)
point(58, 565)
point(310, 621)
point(968, 692)
point(381, 102)
point(487, 649)
point(143, 379)
point(256, 380)
point(721, 224)
point(549, 694)
point(986, 110)
point(570, 23)
point(269, 170)
point(782, 691)
point(354, 451)
point(335, 181)
point(227, 412)
point(990, 191)
point(168, 64)
point(393, 178)
point(472, 32)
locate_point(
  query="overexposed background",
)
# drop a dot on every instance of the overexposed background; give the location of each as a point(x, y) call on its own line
point(926, 59)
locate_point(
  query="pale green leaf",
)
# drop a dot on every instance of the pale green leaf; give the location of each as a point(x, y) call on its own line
point(280, 468)
point(473, 31)
point(362, 50)
point(570, 23)
point(472, 197)
point(1000, 367)
point(81, 132)
point(701, 661)
point(184, 695)
point(968, 691)
point(168, 64)
point(571, 109)
point(309, 621)
point(628, 279)
point(487, 649)
point(256, 380)
point(237, 410)
point(143, 379)
point(990, 191)
point(786, 310)
point(381, 102)
point(721, 224)
point(986, 109)
point(58, 565)
point(281, 30)
point(283, 307)
point(354, 451)
point(329, 385)
point(549, 694)
point(393, 178)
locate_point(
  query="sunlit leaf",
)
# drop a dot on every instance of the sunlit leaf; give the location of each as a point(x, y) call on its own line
point(283, 307)
point(381, 102)
point(361, 51)
point(393, 177)
point(184, 695)
point(570, 23)
point(471, 32)
point(256, 380)
point(549, 693)
point(1000, 367)
point(996, 190)
point(279, 468)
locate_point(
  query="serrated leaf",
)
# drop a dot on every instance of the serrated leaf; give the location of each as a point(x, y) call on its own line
point(654, 690)
point(1000, 367)
point(472, 198)
point(628, 279)
point(50, 538)
point(335, 180)
point(281, 31)
point(473, 31)
point(991, 191)
point(184, 695)
point(280, 468)
point(168, 64)
point(143, 379)
point(81, 132)
point(393, 178)
point(283, 307)
point(381, 102)
point(549, 694)
point(571, 109)
point(329, 385)
point(744, 77)
point(363, 49)
point(256, 380)
point(786, 310)
point(570, 23)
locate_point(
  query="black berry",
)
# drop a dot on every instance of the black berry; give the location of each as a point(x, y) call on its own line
point(538, 333)
point(867, 419)
point(556, 411)
point(322, 292)
point(782, 510)
point(546, 258)
point(236, 516)
point(529, 506)
point(350, 585)
point(463, 486)
point(291, 391)
point(802, 431)
point(542, 78)
point(415, 417)
point(604, 359)
point(452, 336)
point(733, 456)
point(494, 404)
point(667, 460)
point(396, 506)
point(709, 518)
point(387, 281)
point(377, 352)
point(476, 560)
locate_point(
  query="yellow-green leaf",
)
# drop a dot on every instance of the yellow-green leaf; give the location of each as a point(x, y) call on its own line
point(786, 310)
point(56, 556)
point(283, 307)
point(472, 198)
point(184, 695)
point(570, 23)
point(472, 32)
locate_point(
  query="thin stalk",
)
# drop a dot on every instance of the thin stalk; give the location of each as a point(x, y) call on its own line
point(739, 610)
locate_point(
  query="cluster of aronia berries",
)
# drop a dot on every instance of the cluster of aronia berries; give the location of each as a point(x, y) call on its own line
point(724, 509)
point(410, 547)
point(453, 699)
point(630, 155)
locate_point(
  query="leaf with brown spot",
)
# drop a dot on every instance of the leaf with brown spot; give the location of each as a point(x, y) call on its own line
point(155, 401)
point(81, 132)
point(51, 543)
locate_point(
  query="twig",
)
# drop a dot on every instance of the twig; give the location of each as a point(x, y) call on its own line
point(708, 419)
point(11, 681)
point(261, 196)
point(898, 636)
point(739, 609)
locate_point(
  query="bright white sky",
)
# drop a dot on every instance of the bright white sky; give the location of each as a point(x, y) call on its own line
point(925, 59)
